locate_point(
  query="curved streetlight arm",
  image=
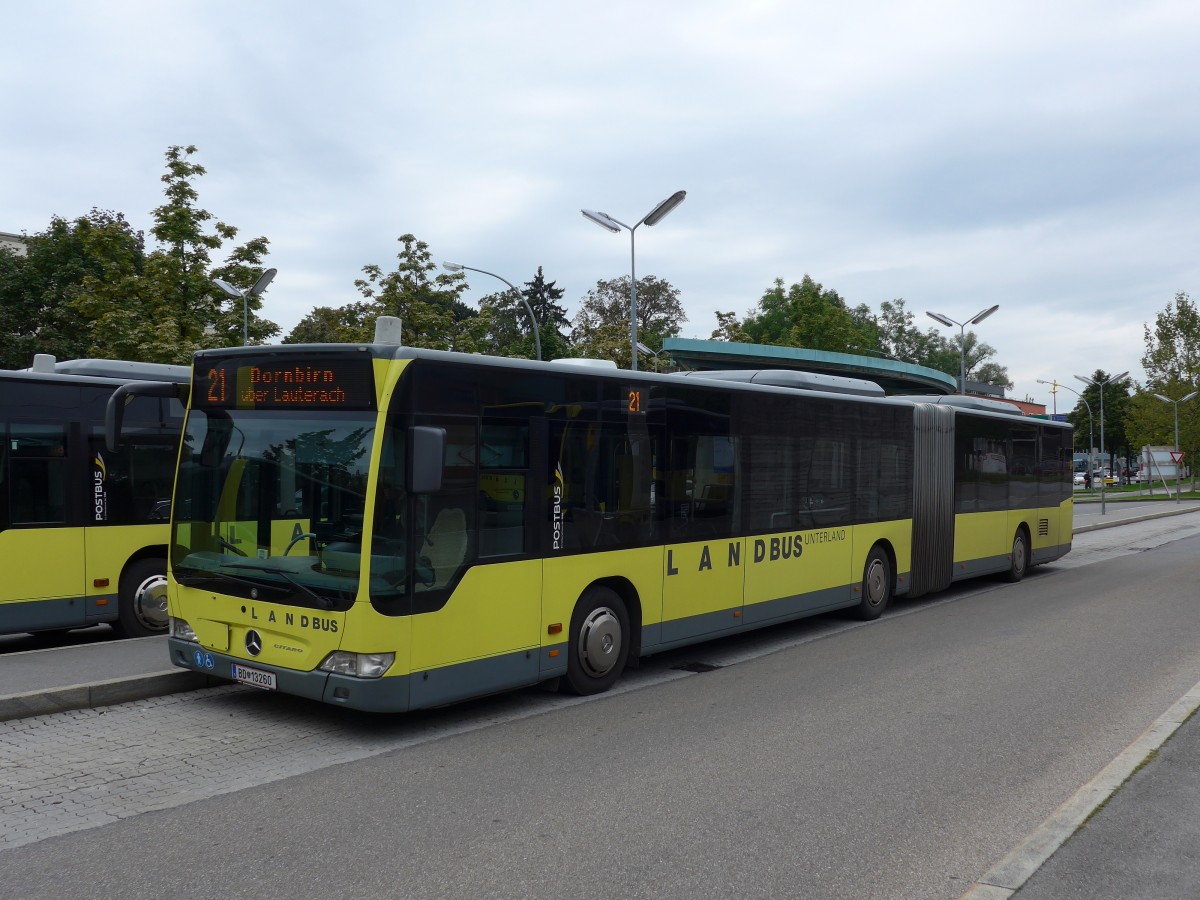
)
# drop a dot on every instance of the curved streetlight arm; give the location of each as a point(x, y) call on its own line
point(228, 289)
point(661, 211)
point(603, 220)
point(259, 286)
point(982, 314)
point(650, 219)
point(962, 338)
point(537, 338)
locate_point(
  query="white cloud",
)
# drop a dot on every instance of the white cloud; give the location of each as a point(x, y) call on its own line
point(957, 155)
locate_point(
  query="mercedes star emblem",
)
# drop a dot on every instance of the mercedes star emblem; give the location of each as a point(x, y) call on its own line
point(254, 642)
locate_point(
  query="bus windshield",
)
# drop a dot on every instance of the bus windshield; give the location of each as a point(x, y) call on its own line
point(269, 504)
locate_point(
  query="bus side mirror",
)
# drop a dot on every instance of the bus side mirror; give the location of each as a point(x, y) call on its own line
point(114, 412)
point(426, 450)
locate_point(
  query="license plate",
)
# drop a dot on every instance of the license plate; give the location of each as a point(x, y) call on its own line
point(254, 677)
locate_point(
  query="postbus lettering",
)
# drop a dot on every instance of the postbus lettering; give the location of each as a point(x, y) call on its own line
point(557, 517)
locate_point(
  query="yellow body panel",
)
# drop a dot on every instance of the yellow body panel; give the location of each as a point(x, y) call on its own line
point(292, 637)
point(703, 577)
point(897, 534)
point(42, 564)
point(494, 610)
point(567, 577)
point(109, 549)
point(983, 535)
point(791, 563)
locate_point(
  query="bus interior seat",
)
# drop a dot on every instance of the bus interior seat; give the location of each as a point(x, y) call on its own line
point(445, 546)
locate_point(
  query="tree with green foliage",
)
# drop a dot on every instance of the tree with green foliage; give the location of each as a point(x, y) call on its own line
point(601, 327)
point(901, 339)
point(353, 323)
point(89, 288)
point(190, 312)
point(429, 306)
point(1172, 363)
point(512, 333)
point(809, 316)
point(551, 315)
point(729, 328)
point(42, 305)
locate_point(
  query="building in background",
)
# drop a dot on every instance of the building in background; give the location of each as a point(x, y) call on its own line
point(13, 242)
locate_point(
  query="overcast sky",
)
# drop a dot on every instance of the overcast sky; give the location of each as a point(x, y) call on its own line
point(1042, 156)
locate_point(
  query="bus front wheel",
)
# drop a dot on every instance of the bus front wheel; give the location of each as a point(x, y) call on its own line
point(876, 585)
point(142, 599)
point(1019, 559)
point(599, 639)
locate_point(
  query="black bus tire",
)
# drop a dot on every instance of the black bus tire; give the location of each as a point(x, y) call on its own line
point(876, 585)
point(142, 599)
point(1019, 558)
point(599, 642)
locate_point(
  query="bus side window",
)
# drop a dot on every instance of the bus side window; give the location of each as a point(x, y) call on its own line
point(4, 479)
point(38, 469)
point(503, 480)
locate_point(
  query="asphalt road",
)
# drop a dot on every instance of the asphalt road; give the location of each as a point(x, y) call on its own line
point(896, 759)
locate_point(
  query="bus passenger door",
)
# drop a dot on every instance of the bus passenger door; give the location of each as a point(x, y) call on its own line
point(703, 565)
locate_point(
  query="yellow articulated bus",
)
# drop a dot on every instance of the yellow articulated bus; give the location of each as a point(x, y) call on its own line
point(84, 532)
point(389, 528)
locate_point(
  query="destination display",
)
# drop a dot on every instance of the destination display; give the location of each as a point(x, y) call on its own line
point(278, 381)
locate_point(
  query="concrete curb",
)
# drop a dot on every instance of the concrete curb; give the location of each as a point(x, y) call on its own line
point(1006, 877)
point(101, 693)
point(1131, 520)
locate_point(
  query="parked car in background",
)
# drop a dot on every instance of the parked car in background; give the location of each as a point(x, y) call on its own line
point(1080, 479)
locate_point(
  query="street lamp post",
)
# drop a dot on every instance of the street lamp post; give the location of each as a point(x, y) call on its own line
point(649, 352)
point(1178, 470)
point(656, 215)
point(1101, 385)
point(962, 340)
point(537, 338)
point(1088, 407)
point(230, 291)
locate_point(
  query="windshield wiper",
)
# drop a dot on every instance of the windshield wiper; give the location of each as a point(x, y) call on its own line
point(205, 575)
point(324, 602)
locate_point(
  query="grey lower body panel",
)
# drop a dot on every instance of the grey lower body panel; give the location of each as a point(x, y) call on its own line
point(1049, 554)
point(991, 565)
point(709, 626)
point(420, 690)
point(49, 615)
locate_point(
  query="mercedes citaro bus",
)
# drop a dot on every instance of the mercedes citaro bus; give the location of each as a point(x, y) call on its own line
point(389, 528)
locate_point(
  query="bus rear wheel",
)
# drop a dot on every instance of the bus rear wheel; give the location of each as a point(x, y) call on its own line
point(1019, 558)
point(142, 599)
point(599, 642)
point(876, 585)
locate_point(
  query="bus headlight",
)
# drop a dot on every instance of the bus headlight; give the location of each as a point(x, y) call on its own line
point(182, 630)
point(358, 665)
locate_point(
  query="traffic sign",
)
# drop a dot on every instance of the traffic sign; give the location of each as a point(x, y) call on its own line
point(1177, 456)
